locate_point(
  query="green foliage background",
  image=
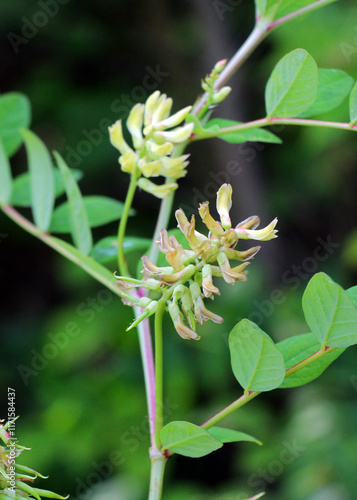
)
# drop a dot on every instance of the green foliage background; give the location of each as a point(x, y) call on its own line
point(88, 400)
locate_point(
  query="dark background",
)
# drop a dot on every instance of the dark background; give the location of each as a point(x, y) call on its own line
point(84, 65)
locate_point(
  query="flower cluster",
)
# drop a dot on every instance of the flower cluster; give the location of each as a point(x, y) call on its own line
point(15, 479)
point(188, 279)
point(153, 144)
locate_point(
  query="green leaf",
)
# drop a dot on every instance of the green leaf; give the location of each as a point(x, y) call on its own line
point(89, 265)
point(271, 8)
point(252, 135)
point(15, 114)
point(257, 363)
point(334, 86)
point(352, 293)
point(292, 86)
point(49, 494)
point(188, 439)
point(78, 218)
point(42, 180)
point(231, 436)
point(27, 488)
point(6, 182)
point(198, 128)
point(329, 312)
point(21, 192)
point(261, 6)
point(100, 210)
point(353, 105)
point(107, 249)
point(298, 348)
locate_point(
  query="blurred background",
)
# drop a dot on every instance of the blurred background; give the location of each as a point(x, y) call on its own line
point(82, 405)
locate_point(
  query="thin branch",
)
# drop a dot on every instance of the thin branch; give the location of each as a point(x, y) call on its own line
point(266, 122)
point(251, 395)
point(298, 13)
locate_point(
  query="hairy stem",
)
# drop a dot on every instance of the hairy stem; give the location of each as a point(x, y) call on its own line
point(251, 395)
point(123, 267)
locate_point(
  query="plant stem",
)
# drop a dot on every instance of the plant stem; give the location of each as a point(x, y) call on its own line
point(251, 395)
point(262, 28)
point(158, 463)
point(266, 122)
point(147, 358)
point(305, 362)
point(165, 210)
point(87, 264)
point(159, 372)
point(230, 409)
point(311, 123)
point(123, 267)
point(143, 327)
point(298, 13)
point(257, 35)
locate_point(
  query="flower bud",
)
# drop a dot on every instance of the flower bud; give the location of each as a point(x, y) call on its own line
point(203, 314)
point(219, 66)
point(148, 311)
point(249, 223)
point(174, 258)
point(180, 276)
point(173, 120)
point(162, 109)
point(265, 234)
point(207, 285)
point(224, 204)
point(128, 162)
point(177, 135)
point(135, 123)
point(151, 168)
point(221, 95)
point(160, 191)
point(117, 139)
point(205, 86)
point(244, 255)
point(159, 150)
point(188, 228)
point(150, 106)
point(181, 328)
point(230, 275)
point(208, 220)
